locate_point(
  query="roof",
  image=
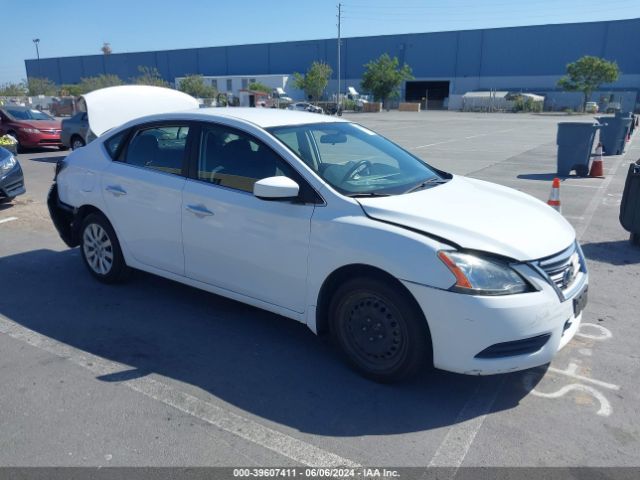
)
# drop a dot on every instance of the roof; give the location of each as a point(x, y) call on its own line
point(267, 117)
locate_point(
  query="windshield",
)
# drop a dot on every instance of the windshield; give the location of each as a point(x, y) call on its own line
point(25, 114)
point(355, 160)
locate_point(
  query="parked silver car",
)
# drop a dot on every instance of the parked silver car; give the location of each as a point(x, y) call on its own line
point(305, 107)
point(75, 131)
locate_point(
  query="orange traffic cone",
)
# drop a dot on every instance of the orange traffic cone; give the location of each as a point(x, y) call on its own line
point(597, 167)
point(554, 198)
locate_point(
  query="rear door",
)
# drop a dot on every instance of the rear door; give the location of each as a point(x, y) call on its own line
point(143, 193)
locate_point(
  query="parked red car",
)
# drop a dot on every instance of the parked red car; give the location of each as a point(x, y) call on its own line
point(30, 127)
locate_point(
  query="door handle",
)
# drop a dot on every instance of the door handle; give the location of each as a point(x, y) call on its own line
point(199, 210)
point(116, 190)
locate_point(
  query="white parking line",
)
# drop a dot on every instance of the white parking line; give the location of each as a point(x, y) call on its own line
point(463, 138)
point(231, 422)
point(458, 440)
point(571, 372)
point(9, 219)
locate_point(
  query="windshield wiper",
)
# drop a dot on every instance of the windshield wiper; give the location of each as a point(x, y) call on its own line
point(368, 194)
point(427, 183)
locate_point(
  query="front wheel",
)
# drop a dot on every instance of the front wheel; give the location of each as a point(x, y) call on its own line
point(76, 143)
point(380, 329)
point(101, 251)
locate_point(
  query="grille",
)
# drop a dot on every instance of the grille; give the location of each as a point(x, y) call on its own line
point(564, 268)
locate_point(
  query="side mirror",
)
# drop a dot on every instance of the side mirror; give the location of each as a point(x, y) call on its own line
point(275, 188)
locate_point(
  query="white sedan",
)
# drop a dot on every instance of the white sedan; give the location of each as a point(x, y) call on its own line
point(328, 223)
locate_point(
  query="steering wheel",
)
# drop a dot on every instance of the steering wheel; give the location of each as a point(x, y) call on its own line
point(355, 169)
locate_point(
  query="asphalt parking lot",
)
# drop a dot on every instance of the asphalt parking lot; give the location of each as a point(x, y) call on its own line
point(157, 373)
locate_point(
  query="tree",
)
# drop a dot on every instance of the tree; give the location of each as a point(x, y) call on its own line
point(13, 90)
point(149, 76)
point(587, 74)
point(70, 89)
point(41, 86)
point(315, 81)
point(384, 76)
point(194, 85)
point(106, 48)
point(259, 87)
point(89, 84)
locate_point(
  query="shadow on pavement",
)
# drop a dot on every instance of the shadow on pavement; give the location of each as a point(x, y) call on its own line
point(619, 252)
point(51, 159)
point(262, 363)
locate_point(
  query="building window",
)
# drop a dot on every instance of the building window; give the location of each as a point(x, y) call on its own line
point(229, 85)
point(245, 83)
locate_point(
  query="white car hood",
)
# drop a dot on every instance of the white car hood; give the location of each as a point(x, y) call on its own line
point(113, 106)
point(478, 215)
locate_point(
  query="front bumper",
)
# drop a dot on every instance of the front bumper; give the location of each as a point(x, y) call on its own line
point(462, 326)
point(12, 183)
point(42, 139)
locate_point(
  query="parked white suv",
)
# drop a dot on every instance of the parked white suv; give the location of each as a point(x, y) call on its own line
point(326, 222)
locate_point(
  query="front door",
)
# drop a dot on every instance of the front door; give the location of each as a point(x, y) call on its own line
point(234, 240)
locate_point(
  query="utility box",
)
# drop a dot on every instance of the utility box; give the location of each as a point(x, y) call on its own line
point(575, 143)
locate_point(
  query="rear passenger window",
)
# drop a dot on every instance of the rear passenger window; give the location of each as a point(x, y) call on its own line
point(113, 143)
point(159, 148)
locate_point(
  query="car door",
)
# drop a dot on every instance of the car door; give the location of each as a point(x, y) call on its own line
point(235, 240)
point(143, 194)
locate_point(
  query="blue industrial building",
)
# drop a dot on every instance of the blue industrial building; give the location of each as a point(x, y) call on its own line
point(445, 64)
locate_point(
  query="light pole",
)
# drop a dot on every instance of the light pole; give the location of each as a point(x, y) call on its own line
point(36, 41)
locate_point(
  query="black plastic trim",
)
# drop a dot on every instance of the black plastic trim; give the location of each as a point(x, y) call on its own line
point(517, 347)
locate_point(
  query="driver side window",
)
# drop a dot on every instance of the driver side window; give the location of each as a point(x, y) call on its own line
point(233, 159)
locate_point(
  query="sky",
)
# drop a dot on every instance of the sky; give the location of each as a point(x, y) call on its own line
point(79, 27)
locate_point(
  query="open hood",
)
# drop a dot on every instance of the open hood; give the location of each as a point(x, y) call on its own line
point(478, 215)
point(111, 107)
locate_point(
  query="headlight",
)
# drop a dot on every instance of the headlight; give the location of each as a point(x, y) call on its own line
point(30, 130)
point(482, 276)
point(7, 164)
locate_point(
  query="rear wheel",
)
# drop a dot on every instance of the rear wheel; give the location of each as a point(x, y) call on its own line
point(582, 171)
point(380, 329)
point(101, 251)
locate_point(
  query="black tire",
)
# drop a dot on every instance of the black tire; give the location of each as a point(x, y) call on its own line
point(582, 171)
point(94, 226)
point(634, 238)
point(77, 142)
point(380, 329)
point(19, 148)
